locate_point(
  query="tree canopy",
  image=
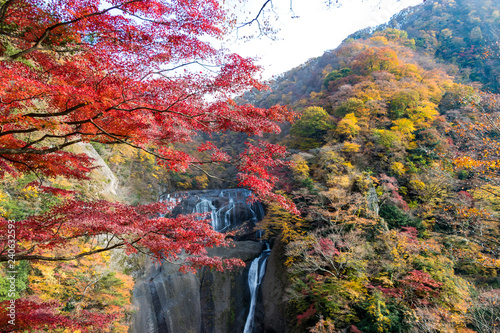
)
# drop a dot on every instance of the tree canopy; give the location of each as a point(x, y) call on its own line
point(111, 74)
point(143, 74)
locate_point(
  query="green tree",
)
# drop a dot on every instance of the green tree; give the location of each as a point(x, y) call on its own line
point(401, 102)
point(313, 124)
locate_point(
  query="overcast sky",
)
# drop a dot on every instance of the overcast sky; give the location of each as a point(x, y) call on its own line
point(311, 29)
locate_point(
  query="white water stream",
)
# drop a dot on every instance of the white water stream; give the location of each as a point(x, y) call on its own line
point(255, 275)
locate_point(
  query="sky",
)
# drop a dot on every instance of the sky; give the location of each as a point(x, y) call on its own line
point(309, 29)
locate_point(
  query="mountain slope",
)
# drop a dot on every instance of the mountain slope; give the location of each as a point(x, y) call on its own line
point(461, 35)
point(465, 33)
point(396, 175)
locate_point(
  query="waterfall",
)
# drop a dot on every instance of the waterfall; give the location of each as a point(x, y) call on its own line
point(227, 215)
point(205, 206)
point(210, 301)
point(255, 275)
point(225, 208)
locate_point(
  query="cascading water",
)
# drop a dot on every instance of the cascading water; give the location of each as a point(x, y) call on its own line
point(205, 206)
point(215, 302)
point(255, 275)
point(225, 208)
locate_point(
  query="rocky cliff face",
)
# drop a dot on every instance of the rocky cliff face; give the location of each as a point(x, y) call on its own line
point(273, 288)
point(168, 301)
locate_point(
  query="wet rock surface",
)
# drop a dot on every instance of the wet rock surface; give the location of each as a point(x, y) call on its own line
point(273, 305)
point(168, 301)
point(228, 209)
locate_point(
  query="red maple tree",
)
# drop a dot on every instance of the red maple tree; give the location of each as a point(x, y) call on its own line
point(141, 73)
point(35, 315)
point(109, 72)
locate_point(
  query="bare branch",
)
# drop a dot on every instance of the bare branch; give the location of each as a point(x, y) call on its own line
point(256, 18)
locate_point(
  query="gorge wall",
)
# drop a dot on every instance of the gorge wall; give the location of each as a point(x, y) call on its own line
point(172, 302)
point(168, 301)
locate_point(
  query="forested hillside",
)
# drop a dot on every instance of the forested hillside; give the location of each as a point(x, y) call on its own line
point(396, 176)
point(464, 33)
point(461, 35)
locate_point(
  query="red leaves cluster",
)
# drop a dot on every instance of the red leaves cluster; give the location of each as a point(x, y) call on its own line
point(107, 72)
point(307, 314)
point(256, 164)
point(117, 225)
point(111, 73)
point(390, 184)
point(418, 288)
point(325, 247)
point(411, 234)
point(31, 315)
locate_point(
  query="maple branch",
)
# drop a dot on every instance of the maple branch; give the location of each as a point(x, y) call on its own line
point(168, 110)
point(207, 67)
point(56, 114)
point(3, 9)
point(48, 30)
point(256, 18)
point(139, 147)
point(85, 121)
point(29, 130)
point(59, 228)
point(164, 110)
point(110, 240)
point(48, 136)
point(213, 176)
point(26, 165)
point(65, 258)
point(22, 99)
point(62, 50)
point(126, 142)
point(16, 151)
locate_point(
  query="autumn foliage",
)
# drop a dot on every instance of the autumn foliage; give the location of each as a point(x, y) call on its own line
point(113, 74)
point(395, 170)
point(140, 74)
point(399, 197)
point(34, 315)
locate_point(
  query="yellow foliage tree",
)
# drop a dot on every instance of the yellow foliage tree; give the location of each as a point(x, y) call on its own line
point(423, 114)
point(405, 127)
point(398, 168)
point(348, 126)
point(280, 223)
point(350, 147)
point(89, 283)
point(300, 168)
